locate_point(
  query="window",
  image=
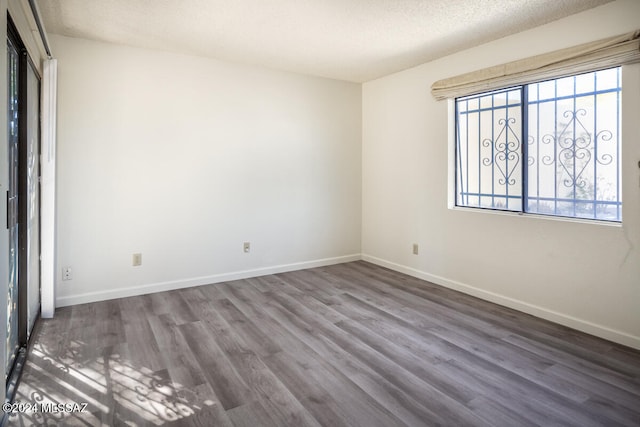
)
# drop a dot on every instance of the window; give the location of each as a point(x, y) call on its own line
point(549, 148)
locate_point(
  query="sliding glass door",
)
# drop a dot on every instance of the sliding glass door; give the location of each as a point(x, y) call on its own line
point(23, 221)
point(13, 343)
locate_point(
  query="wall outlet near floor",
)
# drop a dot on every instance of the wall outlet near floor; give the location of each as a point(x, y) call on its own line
point(246, 247)
point(415, 249)
point(137, 259)
point(66, 273)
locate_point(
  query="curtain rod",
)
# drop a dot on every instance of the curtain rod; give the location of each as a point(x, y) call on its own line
point(43, 35)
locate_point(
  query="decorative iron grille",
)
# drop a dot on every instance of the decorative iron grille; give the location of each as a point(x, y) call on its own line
point(572, 148)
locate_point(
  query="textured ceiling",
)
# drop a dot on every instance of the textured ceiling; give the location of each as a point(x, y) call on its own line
point(354, 40)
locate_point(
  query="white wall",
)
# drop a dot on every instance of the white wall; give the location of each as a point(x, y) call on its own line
point(580, 274)
point(184, 158)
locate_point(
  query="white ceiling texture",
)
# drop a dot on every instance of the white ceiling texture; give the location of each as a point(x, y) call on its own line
point(353, 40)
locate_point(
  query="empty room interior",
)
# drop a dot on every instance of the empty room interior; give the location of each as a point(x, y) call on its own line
point(320, 213)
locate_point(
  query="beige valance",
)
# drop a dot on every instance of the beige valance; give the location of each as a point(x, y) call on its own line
point(609, 52)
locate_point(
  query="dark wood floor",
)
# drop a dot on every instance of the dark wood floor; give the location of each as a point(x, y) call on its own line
point(345, 345)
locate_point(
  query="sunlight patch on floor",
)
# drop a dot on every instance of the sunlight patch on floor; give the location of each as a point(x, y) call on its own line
point(110, 384)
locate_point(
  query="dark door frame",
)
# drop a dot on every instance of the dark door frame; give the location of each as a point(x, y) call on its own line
point(24, 62)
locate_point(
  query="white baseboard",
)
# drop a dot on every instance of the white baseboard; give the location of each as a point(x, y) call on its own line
point(541, 312)
point(197, 281)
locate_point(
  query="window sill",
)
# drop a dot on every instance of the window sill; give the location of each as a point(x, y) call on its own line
point(537, 216)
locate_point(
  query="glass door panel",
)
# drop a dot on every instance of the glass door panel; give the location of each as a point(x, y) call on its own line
point(33, 197)
point(13, 343)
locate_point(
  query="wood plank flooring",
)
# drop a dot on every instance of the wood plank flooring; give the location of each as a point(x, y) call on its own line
point(346, 345)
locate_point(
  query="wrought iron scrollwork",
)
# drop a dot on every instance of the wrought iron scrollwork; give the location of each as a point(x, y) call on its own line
point(531, 160)
point(575, 149)
point(604, 135)
point(506, 151)
point(574, 142)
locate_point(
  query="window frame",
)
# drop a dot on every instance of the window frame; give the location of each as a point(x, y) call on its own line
point(452, 199)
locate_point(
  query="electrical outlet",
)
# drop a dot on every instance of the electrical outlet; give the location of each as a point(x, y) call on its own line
point(66, 273)
point(246, 247)
point(137, 259)
point(415, 249)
